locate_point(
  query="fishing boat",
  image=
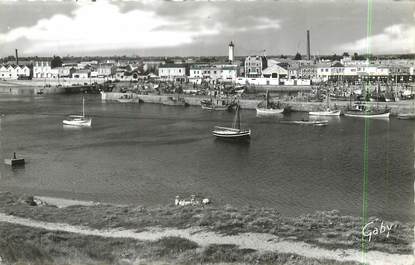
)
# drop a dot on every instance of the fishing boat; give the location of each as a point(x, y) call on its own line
point(269, 108)
point(128, 99)
point(363, 111)
point(406, 116)
point(78, 120)
point(328, 111)
point(234, 132)
point(218, 104)
point(175, 101)
point(308, 122)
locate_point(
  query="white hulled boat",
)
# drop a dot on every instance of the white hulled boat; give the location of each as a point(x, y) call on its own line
point(268, 109)
point(78, 120)
point(328, 111)
point(362, 111)
point(234, 132)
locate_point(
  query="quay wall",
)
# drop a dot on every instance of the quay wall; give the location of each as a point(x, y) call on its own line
point(396, 107)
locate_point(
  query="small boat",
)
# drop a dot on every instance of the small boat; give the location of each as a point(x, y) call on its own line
point(128, 99)
point(362, 111)
point(308, 122)
point(178, 101)
point(220, 105)
point(269, 108)
point(14, 161)
point(234, 132)
point(327, 112)
point(406, 116)
point(78, 120)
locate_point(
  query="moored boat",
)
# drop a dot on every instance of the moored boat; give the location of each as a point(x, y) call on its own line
point(270, 108)
point(406, 116)
point(308, 122)
point(234, 132)
point(218, 104)
point(362, 111)
point(171, 101)
point(327, 112)
point(78, 120)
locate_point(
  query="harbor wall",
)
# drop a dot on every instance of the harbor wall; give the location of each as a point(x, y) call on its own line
point(396, 107)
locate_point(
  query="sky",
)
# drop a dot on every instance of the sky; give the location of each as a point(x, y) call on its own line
point(204, 28)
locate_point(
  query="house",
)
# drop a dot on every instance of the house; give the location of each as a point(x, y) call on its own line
point(177, 72)
point(42, 69)
point(81, 74)
point(275, 71)
point(254, 66)
point(106, 70)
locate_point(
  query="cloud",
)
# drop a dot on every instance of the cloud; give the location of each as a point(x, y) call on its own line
point(398, 38)
point(102, 26)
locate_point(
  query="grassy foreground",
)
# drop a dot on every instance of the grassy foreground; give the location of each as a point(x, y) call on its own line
point(22, 245)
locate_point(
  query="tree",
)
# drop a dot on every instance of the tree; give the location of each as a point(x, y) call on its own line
point(346, 54)
point(336, 57)
point(56, 62)
point(297, 56)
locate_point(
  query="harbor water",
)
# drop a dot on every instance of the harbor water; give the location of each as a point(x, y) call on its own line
point(146, 154)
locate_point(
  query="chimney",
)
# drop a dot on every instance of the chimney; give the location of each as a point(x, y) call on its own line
point(17, 58)
point(308, 45)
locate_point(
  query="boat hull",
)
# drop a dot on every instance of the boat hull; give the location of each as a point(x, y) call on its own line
point(84, 123)
point(313, 123)
point(325, 113)
point(217, 108)
point(14, 161)
point(368, 115)
point(232, 134)
point(122, 100)
point(406, 116)
point(268, 112)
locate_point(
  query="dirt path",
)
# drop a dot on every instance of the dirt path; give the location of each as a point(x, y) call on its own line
point(257, 241)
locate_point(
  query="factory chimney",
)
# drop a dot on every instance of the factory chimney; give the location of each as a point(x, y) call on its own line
point(17, 58)
point(308, 45)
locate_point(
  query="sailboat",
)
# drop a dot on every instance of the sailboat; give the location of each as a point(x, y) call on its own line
point(234, 132)
point(328, 111)
point(78, 120)
point(269, 108)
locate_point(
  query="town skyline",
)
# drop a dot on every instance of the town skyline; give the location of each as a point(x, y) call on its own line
point(197, 29)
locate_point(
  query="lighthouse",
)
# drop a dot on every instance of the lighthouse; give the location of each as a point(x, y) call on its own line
point(231, 52)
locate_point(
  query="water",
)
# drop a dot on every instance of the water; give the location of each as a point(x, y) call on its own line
point(146, 154)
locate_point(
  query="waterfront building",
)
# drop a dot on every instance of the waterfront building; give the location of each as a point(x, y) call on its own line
point(214, 73)
point(173, 72)
point(14, 72)
point(65, 71)
point(42, 69)
point(106, 70)
point(275, 71)
point(254, 66)
point(81, 74)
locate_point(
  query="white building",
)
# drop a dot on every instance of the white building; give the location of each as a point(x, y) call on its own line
point(42, 70)
point(254, 66)
point(226, 72)
point(106, 70)
point(14, 71)
point(81, 74)
point(172, 71)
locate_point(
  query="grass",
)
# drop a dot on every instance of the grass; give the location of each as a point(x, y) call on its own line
point(22, 245)
point(328, 229)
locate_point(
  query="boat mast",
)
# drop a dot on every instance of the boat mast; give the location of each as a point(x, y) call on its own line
point(83, 107)
point(267, 99)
